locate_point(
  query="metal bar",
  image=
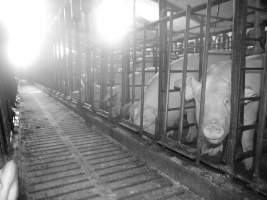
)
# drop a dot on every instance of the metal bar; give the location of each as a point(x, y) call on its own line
point(78, 59)
point(203, 80)
point(178, 108)
point(215, 17)
point(256, 98)
point(181, 71)
point(258, 9)
point(111, 81)
point(125, 72)
point(168, 76)
point(143, 85)
point(262, 120)
point(163, 63)
point(91, 79)
point(183, 13)
point(252, 69)
point(201, 44)
point(237, 90)
point(103, 81)
point(134, 52)
point(184, 73)
point(88, 56)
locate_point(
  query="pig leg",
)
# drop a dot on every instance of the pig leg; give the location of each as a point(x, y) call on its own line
point(9, 181)
point(250, 116)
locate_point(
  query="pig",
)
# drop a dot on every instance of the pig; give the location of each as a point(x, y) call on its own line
point(113, 100)
point(216, 118)
point(151, 94)
point(9, 181)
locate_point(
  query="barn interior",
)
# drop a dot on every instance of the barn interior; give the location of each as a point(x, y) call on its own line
point(134, 99)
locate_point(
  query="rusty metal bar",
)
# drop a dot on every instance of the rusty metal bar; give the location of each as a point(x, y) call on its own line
point(237, 80)
point(203, 80)
point(184, 73)
point(262, 115)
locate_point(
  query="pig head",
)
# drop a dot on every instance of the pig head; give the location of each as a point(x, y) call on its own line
point(217, 108)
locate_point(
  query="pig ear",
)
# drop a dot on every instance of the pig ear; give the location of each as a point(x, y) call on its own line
point(191, 87)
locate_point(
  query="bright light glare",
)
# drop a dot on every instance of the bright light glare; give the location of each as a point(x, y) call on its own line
point(113, 19)
point(26, 24)
point(147, 9)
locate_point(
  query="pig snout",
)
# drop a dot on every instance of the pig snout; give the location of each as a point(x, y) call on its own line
point(213, 132)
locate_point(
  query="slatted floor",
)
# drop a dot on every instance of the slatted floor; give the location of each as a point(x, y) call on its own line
point(62, 157)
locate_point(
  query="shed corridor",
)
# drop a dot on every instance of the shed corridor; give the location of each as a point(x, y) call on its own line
point(61, 156)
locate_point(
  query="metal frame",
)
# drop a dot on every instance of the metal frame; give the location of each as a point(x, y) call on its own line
point(163, 47)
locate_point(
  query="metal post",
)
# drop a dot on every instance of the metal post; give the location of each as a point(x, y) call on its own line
point(103, 81)
point(182, 92)
point(168, 68)
point(163, 62)
point(91, 78)
point(111, 79)
point(237, 78)
point(143, 82)
point(201, 44)
point(203, 80)
point(262, 115)
point(78, 58)
point(125, 72)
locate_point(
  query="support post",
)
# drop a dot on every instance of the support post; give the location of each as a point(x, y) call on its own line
point(163, 62)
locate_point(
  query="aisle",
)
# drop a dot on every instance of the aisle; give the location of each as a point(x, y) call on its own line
point(62, 157)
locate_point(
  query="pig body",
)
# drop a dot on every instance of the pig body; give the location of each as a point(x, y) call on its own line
point(151, 94)
point(113, 98)
point(216, 118)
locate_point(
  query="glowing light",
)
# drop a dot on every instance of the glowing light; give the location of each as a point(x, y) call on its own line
point(147, 9)
point(113, 19)
point(26, 23)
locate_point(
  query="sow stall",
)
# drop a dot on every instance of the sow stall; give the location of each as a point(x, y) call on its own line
point(104, 79)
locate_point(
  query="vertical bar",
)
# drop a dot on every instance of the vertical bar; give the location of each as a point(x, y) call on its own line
point(203, 80)
point(91, 80)
point(111, 82)
point(182, 92)
point(262, 115)
point(134, 53)
point(257, 31)
point(78, 58)
point(64, 63)
point(66, 52)
point(201, 42)
point(238, 61)
point(168, 67)
point(163, 59)
point(88, 56)
point(125, 73)
point(143, 83)
point(103, 83)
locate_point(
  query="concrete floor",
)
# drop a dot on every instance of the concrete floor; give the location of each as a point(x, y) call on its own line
point(60, 156)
